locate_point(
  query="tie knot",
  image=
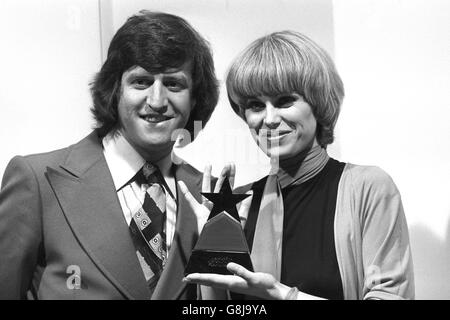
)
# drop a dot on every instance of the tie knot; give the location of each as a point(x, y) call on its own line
point(151, 173)
point(148, 170)
point(148, 175)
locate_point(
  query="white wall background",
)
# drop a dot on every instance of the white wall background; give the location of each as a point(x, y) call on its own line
point(49, 51)
point(393, 55)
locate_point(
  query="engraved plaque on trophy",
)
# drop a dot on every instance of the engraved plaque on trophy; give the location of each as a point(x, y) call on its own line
point(222, 239)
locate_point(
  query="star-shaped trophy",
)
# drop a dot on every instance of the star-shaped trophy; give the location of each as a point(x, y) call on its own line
point(222, 239)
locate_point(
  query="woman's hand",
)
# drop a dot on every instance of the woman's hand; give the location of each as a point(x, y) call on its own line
point(258, 284)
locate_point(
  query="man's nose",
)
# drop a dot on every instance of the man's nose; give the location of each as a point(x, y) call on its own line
point(157, 97)
point(272, 118)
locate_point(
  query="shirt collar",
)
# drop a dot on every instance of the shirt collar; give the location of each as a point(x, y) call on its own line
point(122, 159)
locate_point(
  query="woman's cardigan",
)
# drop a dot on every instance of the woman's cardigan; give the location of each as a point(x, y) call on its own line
point(371, 236)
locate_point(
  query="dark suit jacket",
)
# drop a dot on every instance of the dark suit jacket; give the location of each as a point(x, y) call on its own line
point(60, 217)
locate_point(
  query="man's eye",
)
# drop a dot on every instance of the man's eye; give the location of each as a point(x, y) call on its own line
point(141, 83)
point(255, 105)
point(174, 85)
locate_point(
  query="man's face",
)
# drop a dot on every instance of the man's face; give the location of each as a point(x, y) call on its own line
point(152, 106)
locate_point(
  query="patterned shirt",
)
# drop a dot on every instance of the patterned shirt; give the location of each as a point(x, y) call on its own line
point(124, 162)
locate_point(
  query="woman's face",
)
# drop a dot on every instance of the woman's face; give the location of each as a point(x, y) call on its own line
point(282, 125)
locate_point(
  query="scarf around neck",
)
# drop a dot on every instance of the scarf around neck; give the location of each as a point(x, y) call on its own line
point(302, 167)
point(267, 243)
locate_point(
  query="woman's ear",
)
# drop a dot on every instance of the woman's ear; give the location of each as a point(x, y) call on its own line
point(238, 110)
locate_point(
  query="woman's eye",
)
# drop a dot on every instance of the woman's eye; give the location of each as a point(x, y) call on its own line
point(285, 101)
point(255, 105)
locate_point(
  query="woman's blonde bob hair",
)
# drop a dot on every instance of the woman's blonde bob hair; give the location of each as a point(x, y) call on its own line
point(288, 62)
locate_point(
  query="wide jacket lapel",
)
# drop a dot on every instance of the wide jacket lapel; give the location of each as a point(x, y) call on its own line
point(86, 193)
point(170, 285)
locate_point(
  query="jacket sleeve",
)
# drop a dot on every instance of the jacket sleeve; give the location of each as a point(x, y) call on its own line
point(386, 253)
point(20, 228)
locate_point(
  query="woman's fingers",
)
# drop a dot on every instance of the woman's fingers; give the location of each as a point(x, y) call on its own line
point(241, 272)
point(207, 279)
point(215, 280)
point(238, 282)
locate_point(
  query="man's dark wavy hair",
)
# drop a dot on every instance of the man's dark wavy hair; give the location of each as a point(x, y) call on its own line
point(156, 42)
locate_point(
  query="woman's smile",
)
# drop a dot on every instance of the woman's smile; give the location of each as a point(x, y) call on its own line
point(273, 135)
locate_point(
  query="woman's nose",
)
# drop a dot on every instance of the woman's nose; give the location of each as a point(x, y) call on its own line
point(156, 97)
point(272, 119)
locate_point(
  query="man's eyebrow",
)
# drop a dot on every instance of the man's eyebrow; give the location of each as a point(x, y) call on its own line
point(176, 76)
point(139, 73)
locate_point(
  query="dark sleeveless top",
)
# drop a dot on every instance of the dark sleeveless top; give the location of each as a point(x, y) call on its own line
point(309, 259)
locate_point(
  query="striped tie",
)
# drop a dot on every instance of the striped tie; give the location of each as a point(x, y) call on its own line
point(147, 225)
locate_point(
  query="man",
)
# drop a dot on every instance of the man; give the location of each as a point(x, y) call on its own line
point(101, 219)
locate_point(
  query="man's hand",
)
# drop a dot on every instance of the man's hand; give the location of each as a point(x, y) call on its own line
point(203, 209)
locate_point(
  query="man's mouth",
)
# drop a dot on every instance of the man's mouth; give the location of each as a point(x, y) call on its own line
point(155, 118)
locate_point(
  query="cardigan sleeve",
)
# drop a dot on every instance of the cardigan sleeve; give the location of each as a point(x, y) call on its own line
point(385, 248)
point(20, 228)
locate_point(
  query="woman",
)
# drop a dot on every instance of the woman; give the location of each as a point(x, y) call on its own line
point(318, 228)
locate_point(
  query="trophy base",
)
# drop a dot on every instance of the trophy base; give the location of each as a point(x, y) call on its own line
point(210, 261)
